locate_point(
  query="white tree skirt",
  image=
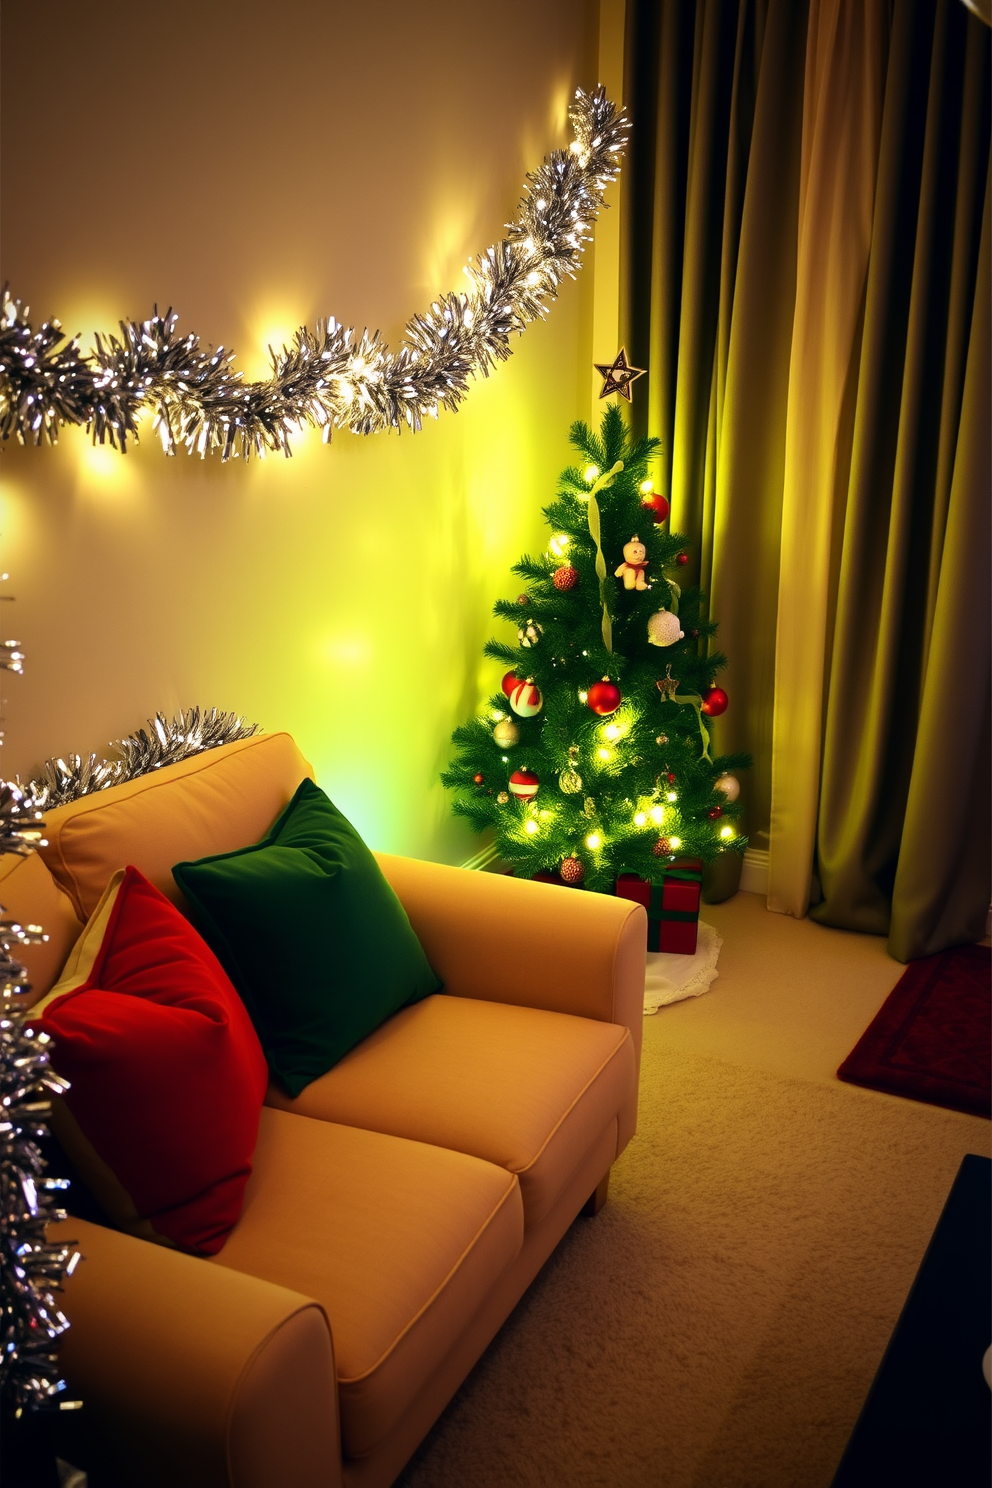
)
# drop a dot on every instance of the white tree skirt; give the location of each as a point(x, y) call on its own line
point(670, 977)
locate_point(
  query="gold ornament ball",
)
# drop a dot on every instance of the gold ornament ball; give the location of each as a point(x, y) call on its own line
point(503, 797)
point(506, 734)
point(729, 786)
point(572, 871)
point(570, 782)
point(662, 848)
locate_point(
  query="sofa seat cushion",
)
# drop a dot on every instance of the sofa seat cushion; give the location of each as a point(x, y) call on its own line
point(525, 1089)
point(401, 1243)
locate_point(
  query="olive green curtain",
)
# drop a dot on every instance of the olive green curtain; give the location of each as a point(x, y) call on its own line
point(803, 229)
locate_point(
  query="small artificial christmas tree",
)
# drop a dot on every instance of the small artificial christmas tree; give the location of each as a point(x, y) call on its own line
point(595, 760)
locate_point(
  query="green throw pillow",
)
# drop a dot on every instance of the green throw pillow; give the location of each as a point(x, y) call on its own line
point(311, 935)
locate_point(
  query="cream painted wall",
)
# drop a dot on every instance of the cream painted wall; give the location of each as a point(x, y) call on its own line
point(257, 166)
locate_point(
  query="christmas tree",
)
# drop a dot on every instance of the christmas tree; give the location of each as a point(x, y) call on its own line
point(595, 758)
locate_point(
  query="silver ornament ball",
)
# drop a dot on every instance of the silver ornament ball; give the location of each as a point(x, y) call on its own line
point(664, 629)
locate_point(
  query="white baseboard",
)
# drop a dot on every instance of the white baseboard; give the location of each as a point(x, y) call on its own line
point(754, 874)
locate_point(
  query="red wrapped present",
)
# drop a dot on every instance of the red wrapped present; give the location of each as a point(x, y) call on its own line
point(672, 905)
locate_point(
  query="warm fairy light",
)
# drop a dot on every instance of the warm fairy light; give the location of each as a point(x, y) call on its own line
point(612, 731)
point(497, 716)
point(505, 758)
point(558, 545)
point(640, 819)
point(604, 753)
point(594, 841)
point(657, 815)
point(583, 697)
point(726, 833)
point(646, 487)
point(675, 842)
point(672, 796)
point(590, 474)
point(533, 277)
point(530, 826)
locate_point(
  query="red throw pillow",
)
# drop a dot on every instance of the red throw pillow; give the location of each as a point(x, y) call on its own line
point(167, 1074)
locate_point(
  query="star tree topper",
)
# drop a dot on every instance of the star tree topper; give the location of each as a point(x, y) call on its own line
point(618, 375)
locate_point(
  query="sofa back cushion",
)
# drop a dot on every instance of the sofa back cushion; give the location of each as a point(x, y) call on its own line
point(215, 802)
point(30, 895)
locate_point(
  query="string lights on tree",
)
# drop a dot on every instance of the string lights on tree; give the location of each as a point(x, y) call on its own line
point(330, 376)
point(608, 770)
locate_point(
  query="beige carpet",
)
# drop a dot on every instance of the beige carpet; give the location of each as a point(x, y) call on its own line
point(719, 1323)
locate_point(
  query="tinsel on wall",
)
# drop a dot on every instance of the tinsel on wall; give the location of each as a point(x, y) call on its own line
point(330, 377)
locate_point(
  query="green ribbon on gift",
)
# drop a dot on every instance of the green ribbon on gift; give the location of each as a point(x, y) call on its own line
point(656, 905)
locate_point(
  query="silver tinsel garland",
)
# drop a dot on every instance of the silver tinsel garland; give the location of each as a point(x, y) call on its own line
point(31, 1269)
point(165, 743)
point(330, 377)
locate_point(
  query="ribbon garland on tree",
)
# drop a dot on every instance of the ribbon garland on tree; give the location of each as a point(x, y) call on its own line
point(593, 518)
point(330, 377)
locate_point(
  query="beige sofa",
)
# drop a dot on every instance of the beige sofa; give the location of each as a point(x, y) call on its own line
point(397, 1209)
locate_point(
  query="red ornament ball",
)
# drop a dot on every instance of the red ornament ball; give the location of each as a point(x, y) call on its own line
point(524, 784)
point(526, 700)
point(670, 778)
point(478, 779)
point(509, 682)
point(659, 506)
point(604, 697)
point(572, 871)
point(566, 577)
point(682, 558)
point(662, 848)
point(715, 702)
point(715, 811)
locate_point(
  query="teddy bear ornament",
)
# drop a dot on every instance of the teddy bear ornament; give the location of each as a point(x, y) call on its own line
point(631, 570)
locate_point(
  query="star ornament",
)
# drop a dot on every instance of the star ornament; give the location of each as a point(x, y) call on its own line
point(618, 375)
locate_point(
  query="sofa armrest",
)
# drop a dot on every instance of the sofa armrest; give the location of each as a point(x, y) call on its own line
point(190, 1373)
point(504, 939)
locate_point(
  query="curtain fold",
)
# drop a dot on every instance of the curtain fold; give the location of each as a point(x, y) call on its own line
point(845, 60)
point(803, 235)
point(924, 241)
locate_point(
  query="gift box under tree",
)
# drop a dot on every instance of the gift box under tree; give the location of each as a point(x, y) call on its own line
point(672, 904)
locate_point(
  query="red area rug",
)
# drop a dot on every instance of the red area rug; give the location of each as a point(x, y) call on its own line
point(932, 1038)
